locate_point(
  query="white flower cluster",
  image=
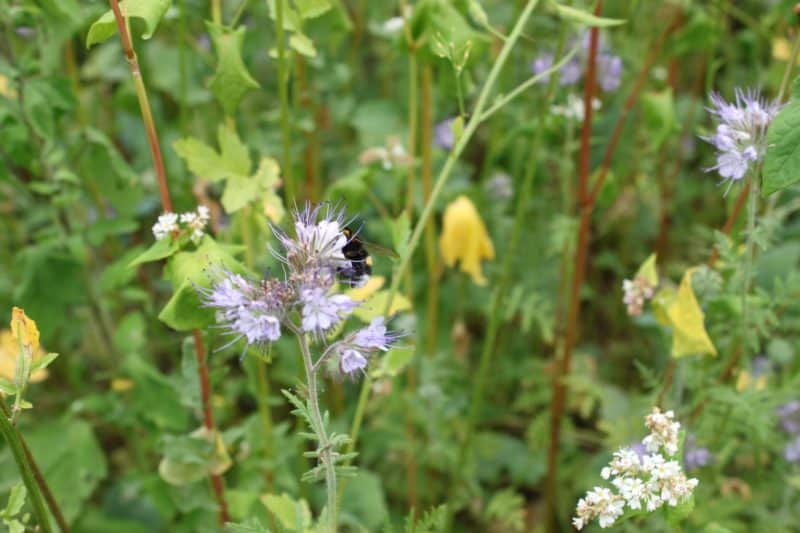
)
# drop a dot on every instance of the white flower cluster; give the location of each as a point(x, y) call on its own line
point(194, 221)
point(635, 293)
point(646, 482)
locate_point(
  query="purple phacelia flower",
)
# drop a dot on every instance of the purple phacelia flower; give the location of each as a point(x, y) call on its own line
point(789, 417)
point(741, 134)
point(792, 451)
point(695, 456)
point(374, 336)
point(609, 66)
point(351, 361)
point(443, 134)
point(322, 311)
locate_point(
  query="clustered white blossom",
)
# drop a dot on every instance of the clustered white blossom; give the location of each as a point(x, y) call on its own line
point(642, 482)
point(304, 301)
point(635, 293)
point(194, 221)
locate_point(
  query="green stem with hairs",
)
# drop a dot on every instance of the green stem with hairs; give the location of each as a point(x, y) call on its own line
point(318, 426)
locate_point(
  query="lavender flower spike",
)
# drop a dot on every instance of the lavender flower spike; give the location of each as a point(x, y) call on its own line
point(741, 137)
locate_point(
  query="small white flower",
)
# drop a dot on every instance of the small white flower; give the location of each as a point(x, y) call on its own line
point(165, 225)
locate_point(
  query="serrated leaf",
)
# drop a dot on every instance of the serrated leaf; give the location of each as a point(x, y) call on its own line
point(782, 162)
point(231, 80)
point(582, 17)
point(689, 336)
point(149, 11)
point(232, 160)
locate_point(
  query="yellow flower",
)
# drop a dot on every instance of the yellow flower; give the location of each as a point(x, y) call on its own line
point(24, 329)
point(464, 239)
point(9, 351)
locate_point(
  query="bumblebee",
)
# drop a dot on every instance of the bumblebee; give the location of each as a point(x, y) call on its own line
point(359, 263)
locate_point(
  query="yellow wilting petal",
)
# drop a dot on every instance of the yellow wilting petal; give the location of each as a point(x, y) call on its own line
point(648, 271)
point(9, 350)
point(24, 329)
point(689, 334)
point(464, 239)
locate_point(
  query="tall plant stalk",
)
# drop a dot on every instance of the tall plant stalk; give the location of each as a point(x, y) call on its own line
point(318, 426)
point(478, 115)
point(217, 483)
point(283, 98)
point(431, 259)
point(587, 197)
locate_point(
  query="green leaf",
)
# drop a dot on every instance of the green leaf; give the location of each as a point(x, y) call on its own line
point(251, 526)
point(158, 250)
point(44, 362)
point(312, 8)
point(676, 515)
point(231, 80)
point(292, 514)
point(658, 109)
point(69, 457)
point(232, 160)
point(7, 386)
point(782, 162)
point(394, 362)
point(150, 11)
point(16, 499)
point(582, 17)
point(401, 230)
point(187, 272)
point(302, 44)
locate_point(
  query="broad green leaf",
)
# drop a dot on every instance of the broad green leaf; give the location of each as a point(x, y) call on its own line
point(234, 152)
point(118, 163)
point(648, 270)
point(44, 362)
point(187, 272)
point(582, 17)
point(293, 515)
point(782, 162)
point(251, 526)
point(158, 250)
point(689, 336)
point(365, 498)
point(69, 458)
point(231, 80)
point(150, 11)
point(394, 362)
point(239, 191)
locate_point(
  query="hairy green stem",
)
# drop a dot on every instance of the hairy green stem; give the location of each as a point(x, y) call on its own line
point(18, 451)
point(747, 274)
point(283, 97)
point(324, 448)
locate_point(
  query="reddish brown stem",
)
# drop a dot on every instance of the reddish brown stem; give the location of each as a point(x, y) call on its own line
point(166, 202)
point(728, 227)
point(586, 199)
point(144, 104)
point(562, 364)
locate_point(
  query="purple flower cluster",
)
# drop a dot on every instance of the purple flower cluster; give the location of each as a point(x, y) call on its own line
point(695, 456)
point(789, 420)
point(609, 66)
point(304, 302)
point(741, 135)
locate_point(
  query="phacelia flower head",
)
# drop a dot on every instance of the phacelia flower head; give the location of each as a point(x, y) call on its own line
point(443, 134)
point(245, 309)
point(789, 417)
point(609, 66)
point(357, 347)
point(741, 134)
point(321, 311)
point(316, 248)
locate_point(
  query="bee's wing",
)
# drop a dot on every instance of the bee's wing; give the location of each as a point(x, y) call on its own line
point(377, 249)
